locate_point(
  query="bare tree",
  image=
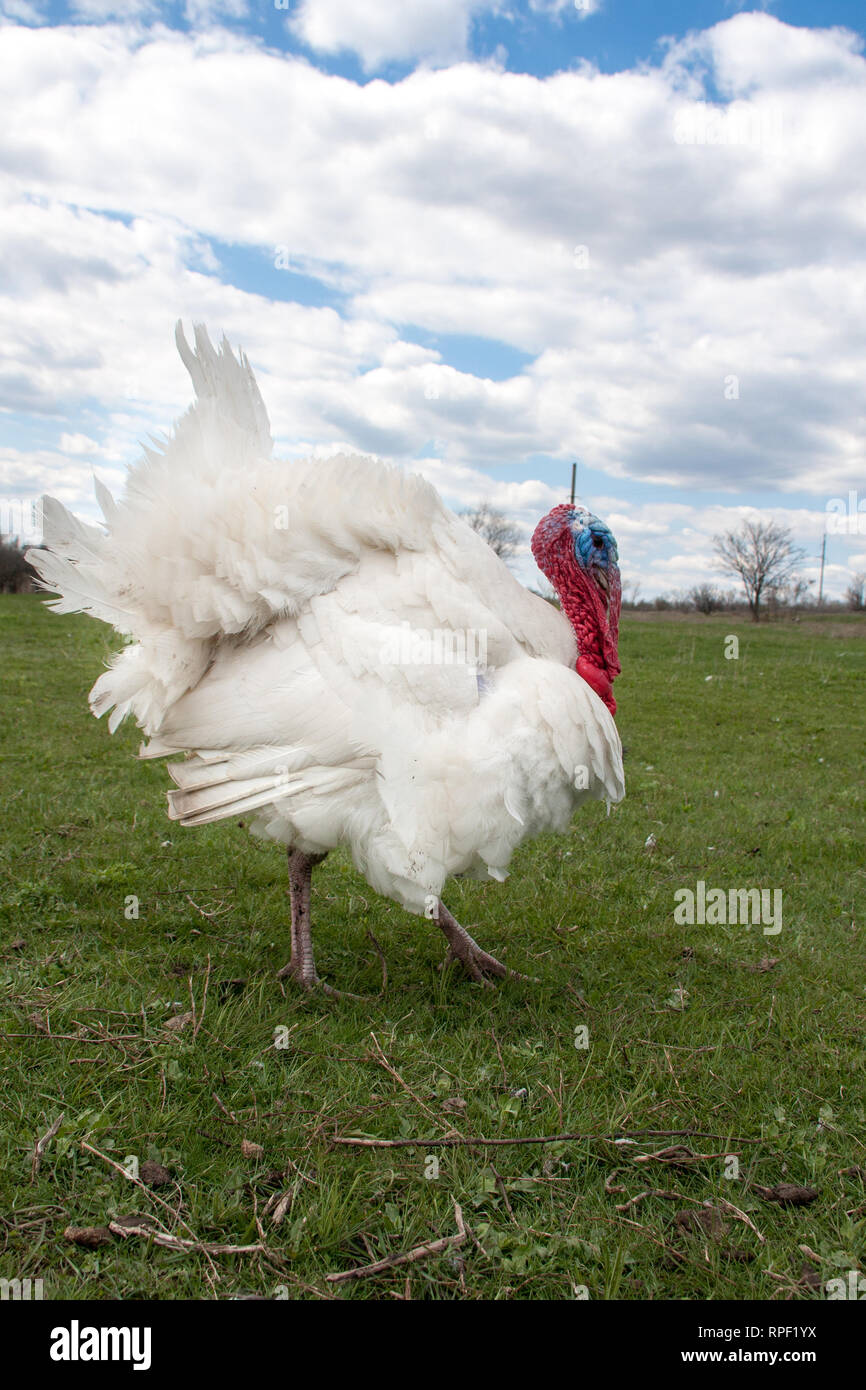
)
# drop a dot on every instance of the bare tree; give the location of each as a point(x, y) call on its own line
point(16, 576)
point(796, 592)
point(493, 526)
point(763, 556)
point(705, 597)
point(855, 594)
point(630, 593)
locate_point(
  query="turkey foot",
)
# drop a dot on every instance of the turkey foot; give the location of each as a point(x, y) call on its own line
point(463, 948)
point(310, 981)
point(302, 966)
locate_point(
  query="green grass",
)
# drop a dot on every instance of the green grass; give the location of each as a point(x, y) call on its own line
point(751, 778)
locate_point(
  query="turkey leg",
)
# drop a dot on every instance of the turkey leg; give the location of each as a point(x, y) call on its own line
point(302, 966)
point(462, 947)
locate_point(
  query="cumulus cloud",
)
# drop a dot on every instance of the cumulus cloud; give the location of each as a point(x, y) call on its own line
point(686, 280)
point(24, 11)
point(748, 48)
point(385, 31)
point(382, 31)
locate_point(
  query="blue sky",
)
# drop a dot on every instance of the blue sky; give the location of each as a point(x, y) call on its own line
point(475, 237)
point(540, 40)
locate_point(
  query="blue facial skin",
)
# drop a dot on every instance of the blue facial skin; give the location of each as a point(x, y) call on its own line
point(594, 544)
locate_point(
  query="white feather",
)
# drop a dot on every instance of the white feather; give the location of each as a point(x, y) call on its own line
point(292, 629)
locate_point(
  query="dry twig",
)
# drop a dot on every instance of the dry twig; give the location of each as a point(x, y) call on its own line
point(42, 1145)
point(450, 1141)
point(419, 1252)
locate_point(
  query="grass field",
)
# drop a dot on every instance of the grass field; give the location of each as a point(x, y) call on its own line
point(747, 771)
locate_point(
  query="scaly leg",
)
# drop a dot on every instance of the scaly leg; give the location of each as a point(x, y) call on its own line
point(302, 966)
point(462, 947)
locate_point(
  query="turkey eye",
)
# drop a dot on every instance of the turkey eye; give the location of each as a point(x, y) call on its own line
point(597, 542)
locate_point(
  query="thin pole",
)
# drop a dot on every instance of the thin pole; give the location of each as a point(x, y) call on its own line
point(573, 481)
point(821, 581)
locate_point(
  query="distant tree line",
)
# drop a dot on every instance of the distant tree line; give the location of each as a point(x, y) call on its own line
point(855, 594)
point(16, 576)
point(709, 598)
point(493, 526)
point(762, 555)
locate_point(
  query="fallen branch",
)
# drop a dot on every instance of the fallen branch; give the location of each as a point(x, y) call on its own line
point(176, 1243)
point(456, 1141)
point(229, 1114)
point(379, 1056)
point(42, 1145)
point(419, 1252)
point(118, 1167)
point(610, 1186)
point(74, 1037)
point(625, 1220)
point(500, 1183)
point(680, 1156)
point(741, 1216)
point(211, 916)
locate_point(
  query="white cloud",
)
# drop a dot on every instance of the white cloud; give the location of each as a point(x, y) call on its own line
point(90, 316)
point(78, 444)
point(744, 50)
point(563, 217)
point(101, 10)
point(382, 31)
point(582, 9)
point(31, 473)
point(666, 547)
point(25, 11)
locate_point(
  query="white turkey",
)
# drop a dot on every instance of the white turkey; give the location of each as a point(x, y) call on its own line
point(341, 659)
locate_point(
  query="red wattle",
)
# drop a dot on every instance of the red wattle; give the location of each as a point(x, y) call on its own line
point(593, 615)
point(598, 679)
